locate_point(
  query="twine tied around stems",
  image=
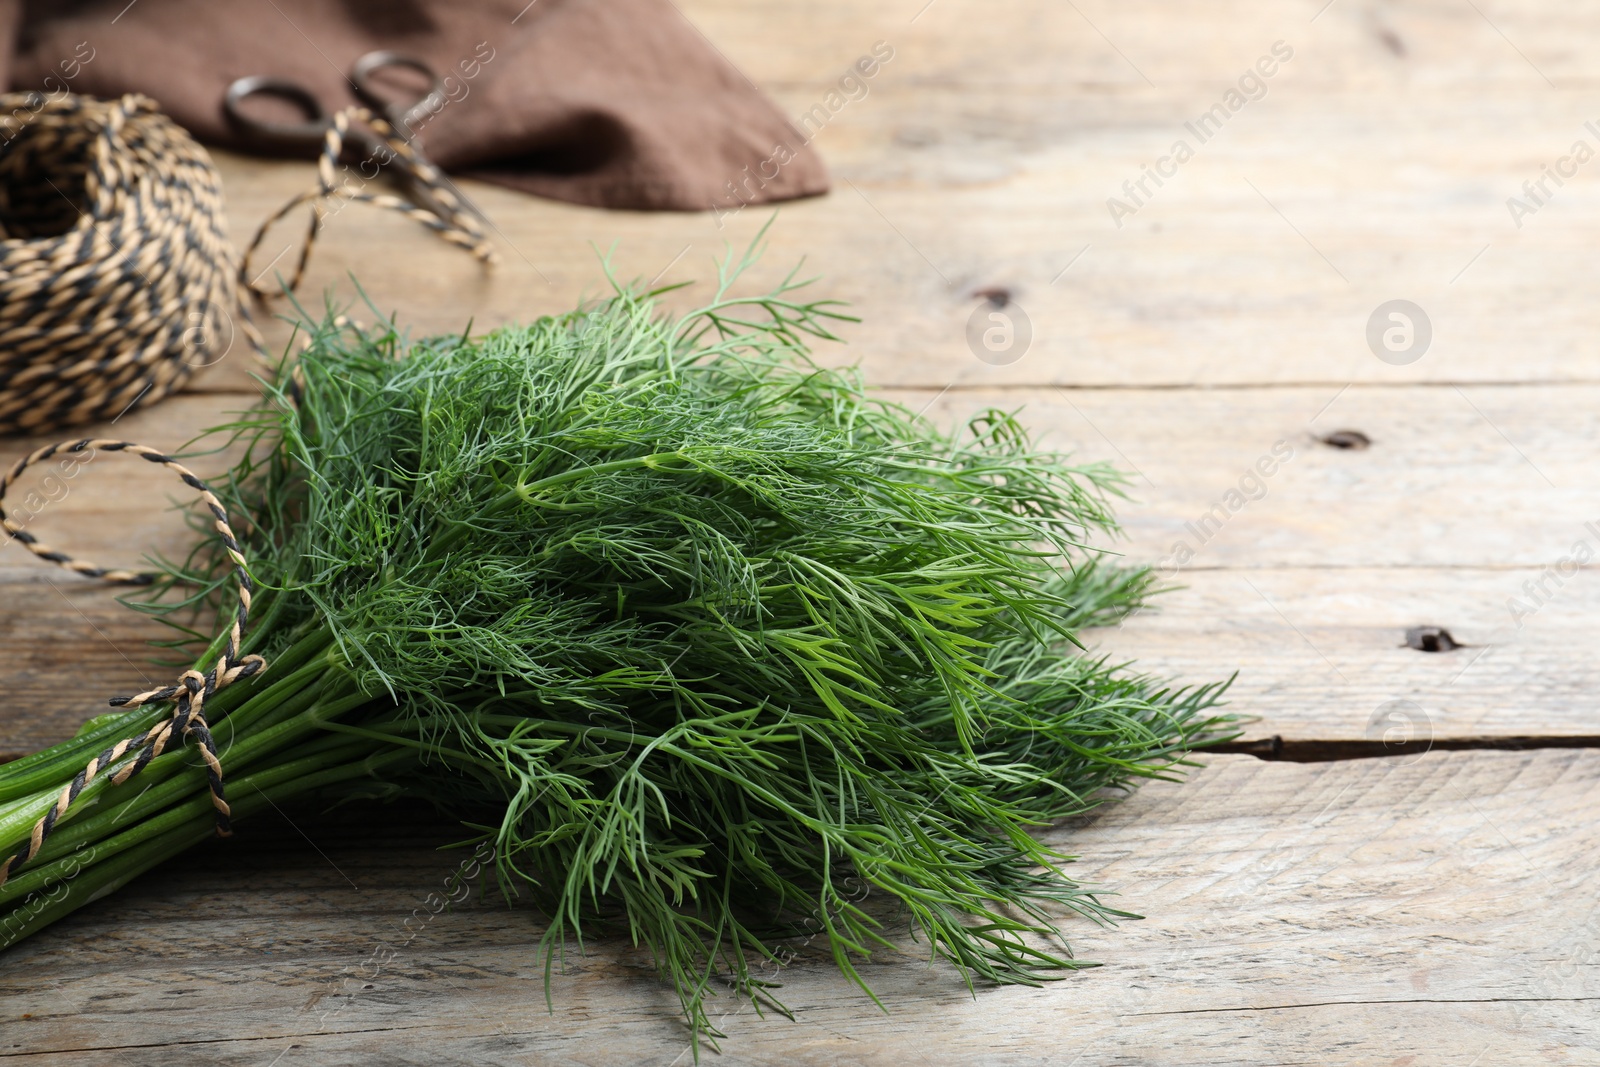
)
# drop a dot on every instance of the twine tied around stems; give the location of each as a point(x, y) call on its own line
point(188, 696)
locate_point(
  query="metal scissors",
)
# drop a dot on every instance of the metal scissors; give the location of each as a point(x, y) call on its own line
point(307, 137)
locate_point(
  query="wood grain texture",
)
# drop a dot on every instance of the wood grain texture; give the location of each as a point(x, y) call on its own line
point(1307, 588)
point(1418, 910)
point(1478, 476)
point(1377, 165)
point(1422, 911)
point(1453, 477)
point(1103, 46)
point(1322, 654)
point(1472, 476)
point(1209, 284)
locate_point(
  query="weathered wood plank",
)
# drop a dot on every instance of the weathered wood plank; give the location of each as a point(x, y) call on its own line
point(1479, 476)
point(1258, 262)
point(1322, 654)
point(959, 42)
point(1470, 476)
point(66, 648)
point(1424, 912)
point(1307, 590)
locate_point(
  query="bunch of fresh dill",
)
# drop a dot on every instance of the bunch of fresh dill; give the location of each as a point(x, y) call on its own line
point(719, 637)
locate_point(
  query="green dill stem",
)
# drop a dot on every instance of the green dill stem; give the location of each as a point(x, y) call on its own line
point(797, 639)
point(451, 538)
point(184, 778)
point(110, 832)
point(150, 843)
point(59, 762)
point(176, 772)
point(56, 765)
point(651, 462)
point(90, 885)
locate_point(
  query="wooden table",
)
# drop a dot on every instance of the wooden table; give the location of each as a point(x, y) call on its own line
point(1432, 907)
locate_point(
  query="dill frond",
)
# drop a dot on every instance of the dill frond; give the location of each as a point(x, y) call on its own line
point(732, 648)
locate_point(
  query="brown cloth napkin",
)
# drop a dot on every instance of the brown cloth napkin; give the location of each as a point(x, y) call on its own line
point(615, 103)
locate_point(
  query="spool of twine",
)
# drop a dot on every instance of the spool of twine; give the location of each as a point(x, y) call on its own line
point(117, 280)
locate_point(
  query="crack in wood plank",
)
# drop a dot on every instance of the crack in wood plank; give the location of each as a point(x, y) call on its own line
point(1367, 1003)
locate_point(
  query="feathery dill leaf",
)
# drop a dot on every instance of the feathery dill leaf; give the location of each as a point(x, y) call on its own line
point(728, 643)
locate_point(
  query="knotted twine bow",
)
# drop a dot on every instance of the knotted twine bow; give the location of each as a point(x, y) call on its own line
point(446, 214)
point(193, 688)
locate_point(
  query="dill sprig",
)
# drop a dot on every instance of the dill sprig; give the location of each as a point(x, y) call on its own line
point(730, 649)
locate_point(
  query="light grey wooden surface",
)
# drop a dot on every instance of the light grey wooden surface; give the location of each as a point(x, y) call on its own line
point(1424, 909)
point(1436, 910)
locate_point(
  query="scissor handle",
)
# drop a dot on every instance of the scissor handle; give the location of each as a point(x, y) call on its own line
point(401, 116)
point(294, 136)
